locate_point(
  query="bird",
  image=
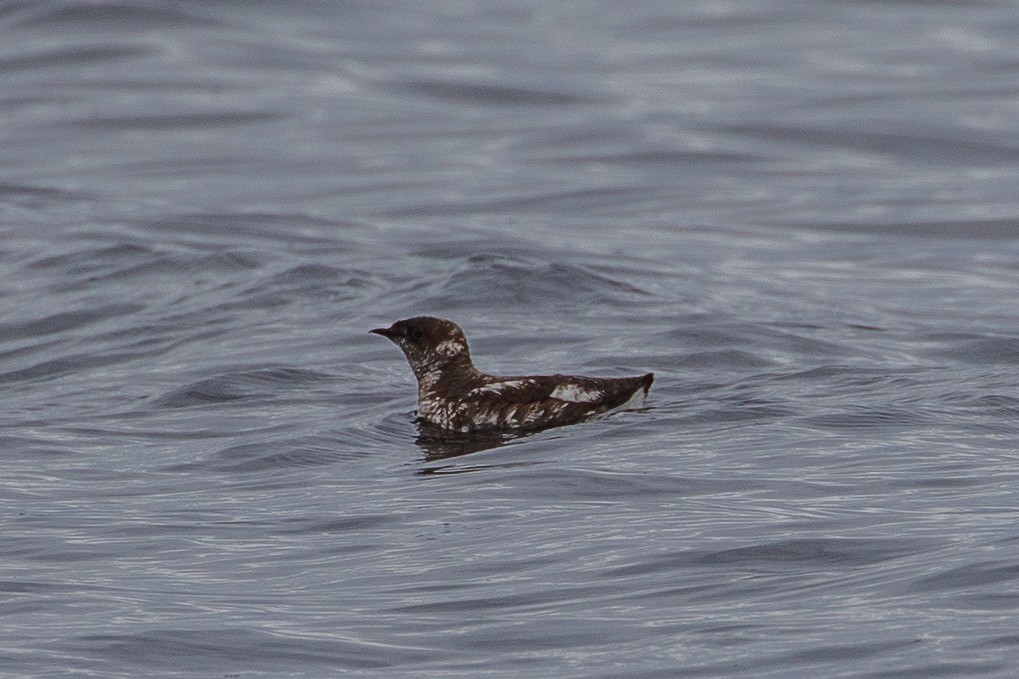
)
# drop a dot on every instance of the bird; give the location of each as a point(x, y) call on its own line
point(454, 396)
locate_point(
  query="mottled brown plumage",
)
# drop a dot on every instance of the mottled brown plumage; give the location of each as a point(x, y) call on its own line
point(456, 396)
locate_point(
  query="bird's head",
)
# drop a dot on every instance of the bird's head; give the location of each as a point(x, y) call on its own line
point(430, 344)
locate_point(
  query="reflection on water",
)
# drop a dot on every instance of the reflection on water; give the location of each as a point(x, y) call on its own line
point(439, 444)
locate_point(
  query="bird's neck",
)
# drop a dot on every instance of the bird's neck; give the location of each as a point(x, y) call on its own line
point(451, 377)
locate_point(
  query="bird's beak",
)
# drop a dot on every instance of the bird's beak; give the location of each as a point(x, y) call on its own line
point(385, 332)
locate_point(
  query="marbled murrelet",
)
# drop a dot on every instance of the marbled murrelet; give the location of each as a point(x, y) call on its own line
point(456, 396)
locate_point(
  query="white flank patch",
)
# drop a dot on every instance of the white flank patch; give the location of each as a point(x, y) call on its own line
point(449, 348)
point(576, 394)
point(497, 387)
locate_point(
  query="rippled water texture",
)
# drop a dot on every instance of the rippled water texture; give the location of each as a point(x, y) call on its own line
point(801, 216)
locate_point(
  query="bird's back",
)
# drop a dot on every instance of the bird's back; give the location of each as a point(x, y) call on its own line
point(531, 402)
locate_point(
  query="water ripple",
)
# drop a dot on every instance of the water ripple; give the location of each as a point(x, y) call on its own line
point(246, 384)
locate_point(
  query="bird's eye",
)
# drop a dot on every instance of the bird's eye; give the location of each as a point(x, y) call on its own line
point(415, 334)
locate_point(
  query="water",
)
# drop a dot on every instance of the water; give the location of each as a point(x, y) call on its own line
point(801, 217)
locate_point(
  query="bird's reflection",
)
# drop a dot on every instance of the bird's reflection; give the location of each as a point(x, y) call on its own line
point(441, 444)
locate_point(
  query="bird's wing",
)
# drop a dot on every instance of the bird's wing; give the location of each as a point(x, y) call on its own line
point(551, 399)
point(520, 390)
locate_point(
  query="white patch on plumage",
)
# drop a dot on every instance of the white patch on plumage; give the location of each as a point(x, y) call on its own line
point(428, 380)
point(449, 348)
point(491, 418)
point(576, 394)
point(496, 387)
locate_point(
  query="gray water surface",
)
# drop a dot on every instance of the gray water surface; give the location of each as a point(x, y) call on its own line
point(801, 216)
